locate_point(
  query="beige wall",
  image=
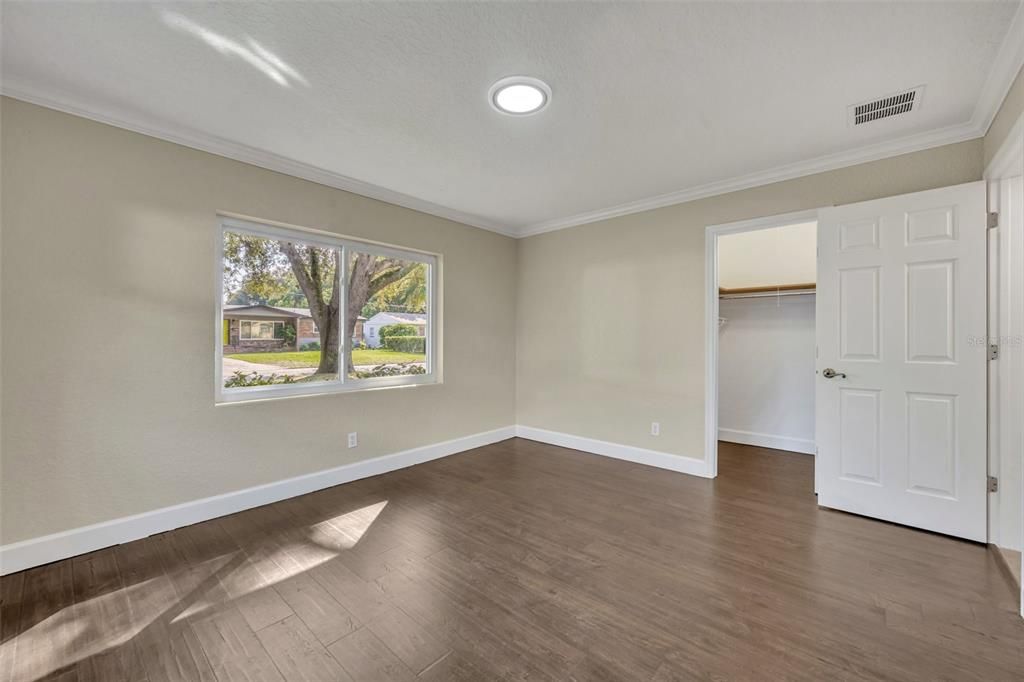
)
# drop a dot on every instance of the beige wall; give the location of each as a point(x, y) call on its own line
point(781, 255)
point(1009, 112)
point(611, 315)
point(109, 228)
point(106, 231)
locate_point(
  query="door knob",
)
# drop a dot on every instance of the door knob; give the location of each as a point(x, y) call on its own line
point(830, 373)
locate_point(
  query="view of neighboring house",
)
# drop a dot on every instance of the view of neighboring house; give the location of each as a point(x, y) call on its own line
point(372, 326)
point(255, 328)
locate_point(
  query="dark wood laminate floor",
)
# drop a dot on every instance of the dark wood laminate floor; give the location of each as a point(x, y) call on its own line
point(526, 561)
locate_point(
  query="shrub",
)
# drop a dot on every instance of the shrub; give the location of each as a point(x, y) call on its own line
point(399, 369)
point(287, 333)
point(406, 344)
point(312, 345)
point(390, 330)
point(243, 379)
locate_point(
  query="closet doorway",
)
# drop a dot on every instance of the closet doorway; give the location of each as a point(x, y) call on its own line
point(763, 276)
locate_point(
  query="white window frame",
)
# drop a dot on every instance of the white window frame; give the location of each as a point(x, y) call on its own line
point(274, 337)
point(344, 384)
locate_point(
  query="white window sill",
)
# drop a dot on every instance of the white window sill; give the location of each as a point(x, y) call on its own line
point(232, 396)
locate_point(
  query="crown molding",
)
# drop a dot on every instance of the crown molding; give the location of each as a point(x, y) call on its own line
point(1007, 64)
point(1008, 160)
point(821, 164)
point(246, 154)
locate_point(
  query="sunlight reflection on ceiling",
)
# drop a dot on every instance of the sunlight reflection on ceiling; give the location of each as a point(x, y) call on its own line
point(257, 56)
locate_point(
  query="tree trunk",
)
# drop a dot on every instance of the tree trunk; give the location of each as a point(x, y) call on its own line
point(368, 275)
point(325, 314)
point(329, 342)
point(358, 294)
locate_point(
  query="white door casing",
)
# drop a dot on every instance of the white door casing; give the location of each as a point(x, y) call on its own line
point(1006, 196)
point(901, 311)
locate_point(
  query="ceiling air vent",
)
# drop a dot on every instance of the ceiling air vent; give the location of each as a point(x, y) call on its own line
point(886, 107)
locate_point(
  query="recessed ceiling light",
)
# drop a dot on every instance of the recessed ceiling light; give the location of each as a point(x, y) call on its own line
point(519, 95)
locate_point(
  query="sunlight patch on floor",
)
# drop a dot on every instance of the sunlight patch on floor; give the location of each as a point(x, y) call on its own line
point(105, 622)
point(87, 628)
point(344, 531)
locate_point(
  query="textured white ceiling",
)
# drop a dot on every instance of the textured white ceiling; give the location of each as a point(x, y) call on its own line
point(648, 99)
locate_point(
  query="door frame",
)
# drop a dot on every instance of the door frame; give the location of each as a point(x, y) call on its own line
point(1006, 163)
point(711, 235)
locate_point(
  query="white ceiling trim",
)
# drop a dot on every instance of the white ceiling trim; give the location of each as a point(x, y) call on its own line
point(281, 164)
point(246, 154)
point(1008, 62)
point(1008, 160)
point(822, 164)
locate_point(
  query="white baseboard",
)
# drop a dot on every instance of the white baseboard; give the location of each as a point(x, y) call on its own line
point(767, 440)
point(19, 556)
point(42, 550)
point(654, 458)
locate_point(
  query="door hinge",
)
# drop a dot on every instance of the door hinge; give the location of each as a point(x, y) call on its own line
point(993, 220)
point(993, 351)
point(993, 484)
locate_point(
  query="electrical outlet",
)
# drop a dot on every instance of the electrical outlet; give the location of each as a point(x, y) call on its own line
point(353, 439)
point(655, 429)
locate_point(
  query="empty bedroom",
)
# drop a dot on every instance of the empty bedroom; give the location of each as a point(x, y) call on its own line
point(367, 341)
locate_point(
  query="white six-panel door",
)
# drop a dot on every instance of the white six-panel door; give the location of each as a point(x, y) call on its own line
point(901, 311)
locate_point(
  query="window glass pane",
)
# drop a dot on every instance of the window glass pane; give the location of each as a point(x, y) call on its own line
point(278, 279)
point(388, 320)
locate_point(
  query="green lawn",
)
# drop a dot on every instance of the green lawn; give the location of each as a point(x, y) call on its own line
point(311, 358)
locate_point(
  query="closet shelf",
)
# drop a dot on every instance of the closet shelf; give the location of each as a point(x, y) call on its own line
point(777, 290)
